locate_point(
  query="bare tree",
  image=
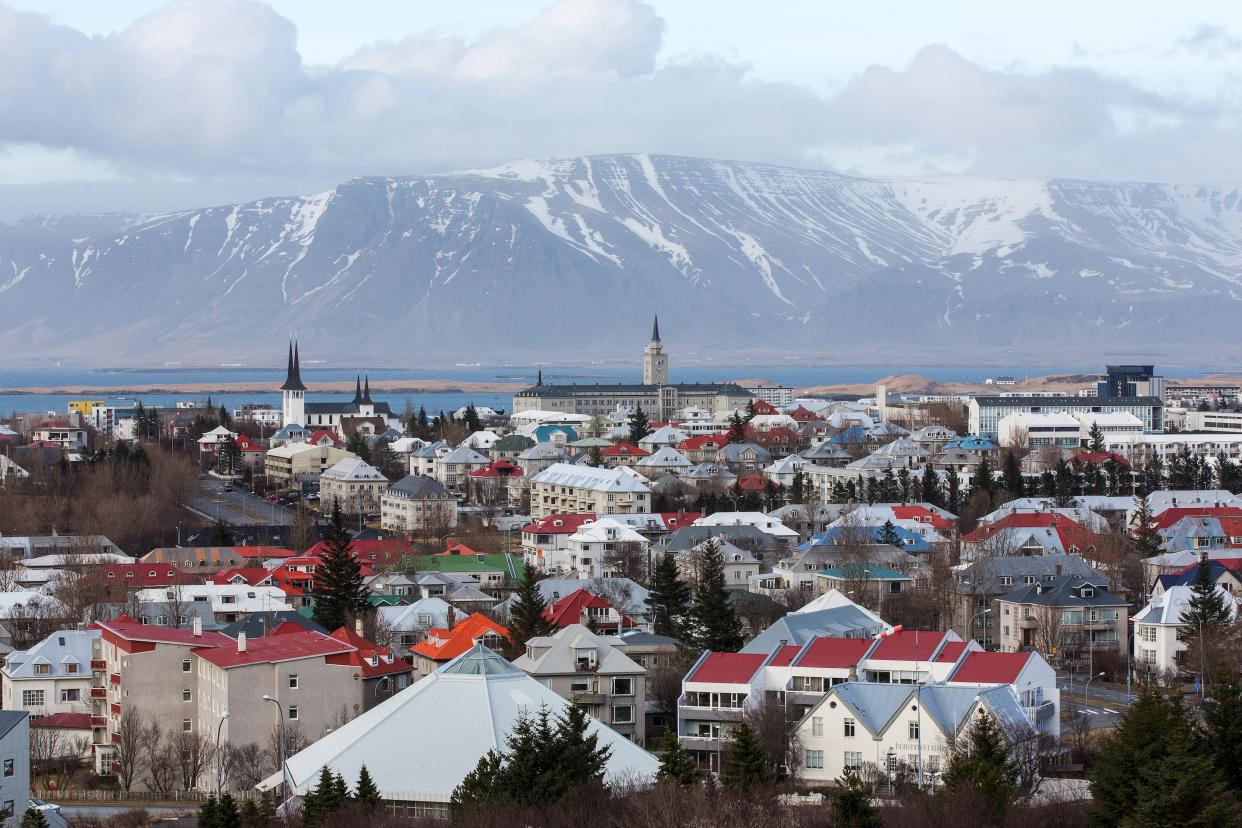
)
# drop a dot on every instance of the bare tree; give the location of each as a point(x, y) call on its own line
point(163, 761)
point(245, 765)
point(776, 730)
point(626, 559)
point(130, 748)
point(195, 754)
point(55, 756)
point(1050, 635)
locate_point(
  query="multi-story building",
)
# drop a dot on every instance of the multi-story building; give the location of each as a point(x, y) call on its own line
point(655, 395)
point(590, 546)
point(564, 487)
point(1158, 627)
point(1130, 381)
point(984, 413)
point(53, 676)
point(1071, 617)
point(15, 761)
point(416, 503)
point(594, 673)
point(354, 484)
point(300, 465)
point(453, 469)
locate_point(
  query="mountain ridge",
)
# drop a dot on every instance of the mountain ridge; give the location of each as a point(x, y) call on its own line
point(573, 255)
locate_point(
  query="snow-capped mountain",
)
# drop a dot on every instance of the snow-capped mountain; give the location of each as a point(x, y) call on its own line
point(570, 258)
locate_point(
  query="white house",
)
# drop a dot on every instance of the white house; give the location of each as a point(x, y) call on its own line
point(53, 676)
point(229, 602)
point(764, 523)
point(586, 548)
point(782, 471)
point(1157, 625)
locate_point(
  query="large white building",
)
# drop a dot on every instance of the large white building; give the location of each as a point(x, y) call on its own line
point(1157, 625)
point(53, 676)
point(361, 413)
point(984, 413)
point(565, 487)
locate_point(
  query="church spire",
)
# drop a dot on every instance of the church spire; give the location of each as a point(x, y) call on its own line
point(539, 376)
point(357, 388)
point(366, 388)
point(655, 330)
point(293, 374)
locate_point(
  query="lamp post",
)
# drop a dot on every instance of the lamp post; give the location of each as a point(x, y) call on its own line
point(971, 623)
point(281, 711)
point(219, 764)
point(1131, 647)
point(1086, 693)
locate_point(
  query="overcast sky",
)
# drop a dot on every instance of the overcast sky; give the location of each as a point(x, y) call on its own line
point(136, 104)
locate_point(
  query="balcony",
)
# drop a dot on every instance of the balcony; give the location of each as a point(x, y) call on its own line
point(99, 721)
point(99, 664)
point(1028, 623)
point(700, 743)
point(586, 698)
point(802, 698)
point(711, 714)
point(115, 678)
point(99, 692)
point(116, 709)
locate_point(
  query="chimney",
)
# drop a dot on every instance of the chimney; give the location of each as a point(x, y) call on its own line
point(197, 627)
point(241, 642)
point(452, 618)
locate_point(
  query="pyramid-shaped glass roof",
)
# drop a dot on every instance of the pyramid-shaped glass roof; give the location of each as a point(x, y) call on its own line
point(479, 660)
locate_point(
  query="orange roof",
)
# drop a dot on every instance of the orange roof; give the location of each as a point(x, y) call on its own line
point(443, 645)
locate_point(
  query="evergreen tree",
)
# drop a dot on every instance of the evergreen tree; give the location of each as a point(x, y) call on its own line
point(251, 817)
point(320, 800)
point(1222, 717)
point(675, 764)
point(888, 534)
point(640, 426)
point(1095, 441)
point(1147, 540)
point(1205, 616)
point(526, 613)
point(745, 763)
point(223, 416)
point(1047, 483)
point(887, 487)
point(483, 786)
point(716, 625)
point(208, 813)
point(1066, 482)
point(367, 795)
point(580, 760)
point(981, 480)
point(340, 791)
point(471, 419)
point(797, 488)
point(339, 593)
point(953, 481)
point(1154, 478)
point(772, 497)
point(985, 766)
point(929, 485)
point(851, 803)
point(903, 486)
point(1153, 772)
point(668, 599)
point(34, 818)
point(1015, 484)
point(227, 815)
point(357, 445)
point(737, 429)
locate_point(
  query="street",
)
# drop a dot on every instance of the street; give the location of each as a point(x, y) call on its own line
point(1105, 705)
point(238, 507)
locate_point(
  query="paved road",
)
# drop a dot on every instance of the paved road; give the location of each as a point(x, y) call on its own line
point(238, 507)
point(76, 810)
point(1103, 707)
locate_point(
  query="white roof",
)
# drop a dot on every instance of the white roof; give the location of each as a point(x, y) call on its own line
point(789, 464)
point(458, 714)
point(21, 598)
point(1167, 607)
point(481, 439)
point(669, 435)
point(1039, 420)
point(353, 468)
point(244, 598)
point(666, 456)
point(405, 618)
point(464, 454)
point(833, 599)
point(538, 417)
point(88, 559)
point(767, 422)
point(1119, 419)
point(606, 529)
point(58, 649)
point(405, 445)
point(620, 479)
point(762, 522)
point(557, 654)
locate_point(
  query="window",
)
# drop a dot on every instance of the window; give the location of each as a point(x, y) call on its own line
point(853, 758)
point(8, 767)
point(817, 725)
point(849, 728)
point(70, 695)
point(186, 725)
point(185, 666)
point(914, 731)
point(7, 811)
point(623, 714)
point(623, 686)
point(293, 681)
point(293, 712)
point(186, 695)
point(71, 667)
point(42, 669)
point(1147, 632)
point(933, 763)
point(32, 698)
point(815, 759)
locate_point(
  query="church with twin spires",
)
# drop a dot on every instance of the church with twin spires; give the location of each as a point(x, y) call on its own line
point(359, 414)
point(657, 396)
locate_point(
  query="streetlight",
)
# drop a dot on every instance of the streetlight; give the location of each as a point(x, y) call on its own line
point(1131, 647)
point(971, 623)
point(219, 764)
point(1086, 693)
point(281, 711)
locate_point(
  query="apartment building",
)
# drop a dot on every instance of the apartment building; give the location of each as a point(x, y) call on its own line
point(353, 484)
point(593, 672)
point(417, 503)
point(15, 764)
point(1069, 617)
point(564, 487)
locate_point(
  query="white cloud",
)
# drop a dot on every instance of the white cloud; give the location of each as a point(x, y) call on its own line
point(211, 88)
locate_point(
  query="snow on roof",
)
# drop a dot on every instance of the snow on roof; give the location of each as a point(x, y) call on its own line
point(465, 709)
point(620, 479)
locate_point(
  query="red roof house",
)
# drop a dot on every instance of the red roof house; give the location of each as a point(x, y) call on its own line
point(582, 607)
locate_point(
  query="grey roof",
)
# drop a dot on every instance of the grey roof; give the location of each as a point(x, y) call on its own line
point(688, 537)
point(10, 719)
point(556, 654)
point(799, 628)
point(259, 624)
point(984, 576)
point(1066, 592)
point(293, 375)
point(639, 638)
point(873, 704)
point(418, 487)
point(731, 453)
point(876, 705)
point(351, 407)
point(479, 661)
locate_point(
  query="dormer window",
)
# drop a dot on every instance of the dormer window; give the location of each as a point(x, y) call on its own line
point(1087, 592)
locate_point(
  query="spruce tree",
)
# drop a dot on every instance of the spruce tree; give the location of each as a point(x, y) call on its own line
point(1204, 618)
point(483, 786)
point(640, 426)
point(1066, 482)
point(1222, 718)
point(367, 794)
point(929, 486)
point(737, 429)
point(797, 488)
point(1095, 441)
point(745, 763)
point(668, 599)
point(1147, 540)
point(340, 791)
point(357, 445)
point(227, 815)
point(675, 764)
point(851, 803)
point(34, 818)
point(985, 766)
point(982, 480)
point(251, 817)
point(339, 593)
point(221, 535)
point(1015, 484)
point(526, 613)
point(716, 625)
point(471, 419)
point(888, 534)
point(580, 760)
point(953, 481)
point(209, 813)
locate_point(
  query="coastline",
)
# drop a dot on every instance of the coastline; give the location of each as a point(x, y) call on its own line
point(430, 386)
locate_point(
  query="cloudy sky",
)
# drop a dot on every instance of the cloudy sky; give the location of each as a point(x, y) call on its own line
point(137, 104)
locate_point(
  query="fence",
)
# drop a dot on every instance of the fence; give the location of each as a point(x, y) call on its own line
point(117, 795)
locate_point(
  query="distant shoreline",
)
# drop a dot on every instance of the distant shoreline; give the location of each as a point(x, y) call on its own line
point(429, 386)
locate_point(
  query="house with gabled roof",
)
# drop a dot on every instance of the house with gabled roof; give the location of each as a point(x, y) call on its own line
point(1065, 617)
point(53, 676)
point(591, 610)
point(442, 645)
